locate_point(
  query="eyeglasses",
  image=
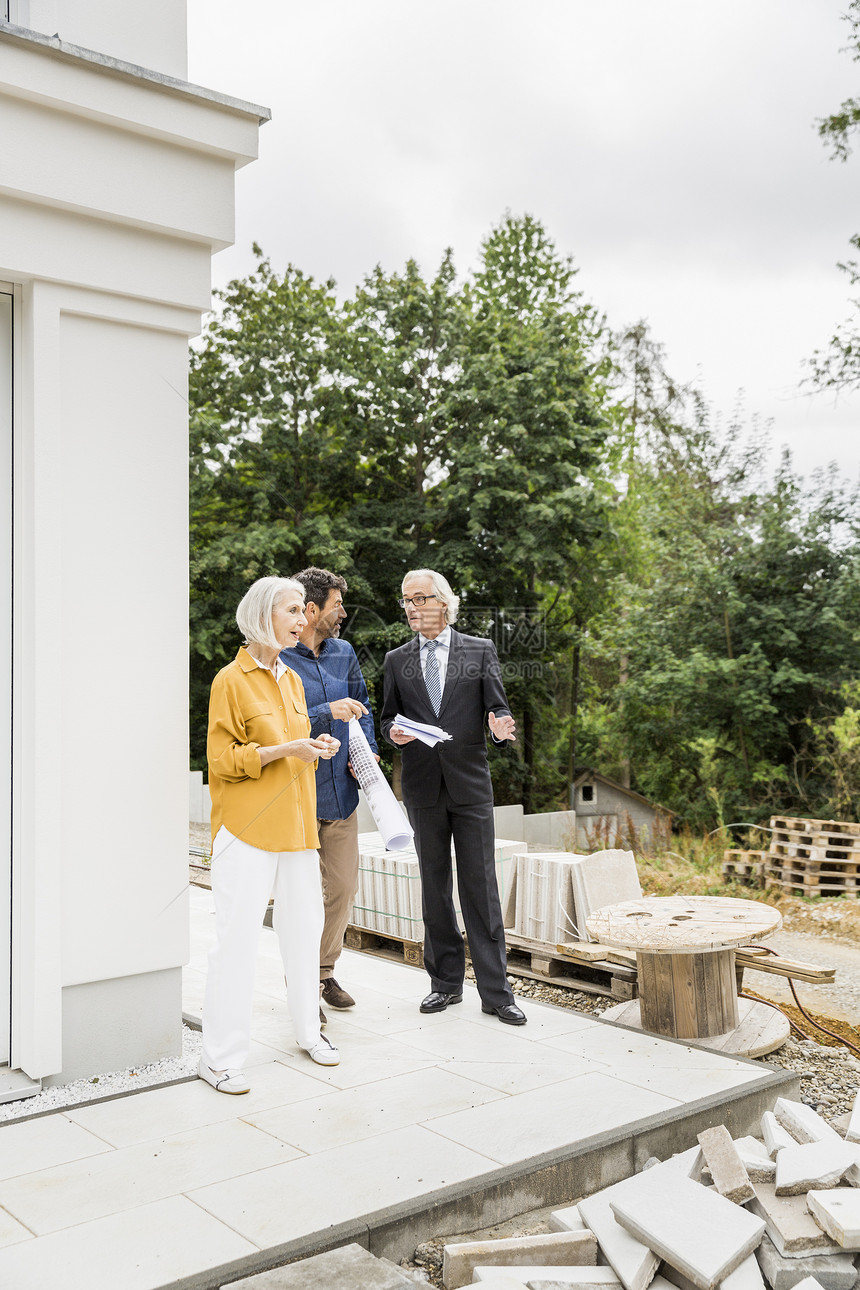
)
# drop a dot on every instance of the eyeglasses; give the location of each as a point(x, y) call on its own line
point(417, 601)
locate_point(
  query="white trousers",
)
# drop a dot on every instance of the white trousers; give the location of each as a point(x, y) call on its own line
point(243, 879)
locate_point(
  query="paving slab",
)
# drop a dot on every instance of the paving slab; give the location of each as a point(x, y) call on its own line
point(802, 1122)
point(726, 1167)
point(498, 1279)
point(631, 1260)
point(756, 1160)
point(838, 1213)
point(813, 1165)
point(852, 1133)
point(546, 1277)
point(11, 1231)
point(349, 1268)
point(66, 1195)
point(696, 1230)
point(46, 1141)
point(775, 1136)
point(141, 1249)
point(789, 1223)
point(746, 1277)
point(832, 1271)
point(487, 1120)
point(810, 1283)
point(549, 1248)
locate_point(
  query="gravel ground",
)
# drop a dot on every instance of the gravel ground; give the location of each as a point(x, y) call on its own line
point(102, 1087)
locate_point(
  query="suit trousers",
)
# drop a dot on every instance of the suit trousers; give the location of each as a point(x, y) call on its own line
point(243, 879)
point(339, 873)
point(471, 827)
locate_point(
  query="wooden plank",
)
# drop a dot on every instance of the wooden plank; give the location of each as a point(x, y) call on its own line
point(684, 997)
point(761, 961)
point(663, 1003)
point(647, 968)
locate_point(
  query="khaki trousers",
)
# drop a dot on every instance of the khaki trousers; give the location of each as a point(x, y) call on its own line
point(339, 873)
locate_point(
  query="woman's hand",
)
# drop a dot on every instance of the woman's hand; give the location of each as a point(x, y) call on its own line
point(307, 750)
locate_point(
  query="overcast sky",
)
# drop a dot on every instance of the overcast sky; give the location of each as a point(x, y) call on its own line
point(669, 146)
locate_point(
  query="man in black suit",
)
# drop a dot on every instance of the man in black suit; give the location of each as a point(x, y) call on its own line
point(444, 678)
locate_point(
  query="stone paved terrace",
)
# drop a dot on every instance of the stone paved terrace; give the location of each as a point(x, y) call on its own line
point(430, 1125)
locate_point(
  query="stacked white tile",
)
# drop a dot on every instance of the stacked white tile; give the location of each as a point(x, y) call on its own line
point(388, 899)
point(544, 897)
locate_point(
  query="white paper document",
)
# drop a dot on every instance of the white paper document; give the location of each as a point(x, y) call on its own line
point(393, 825)
point(429, 735)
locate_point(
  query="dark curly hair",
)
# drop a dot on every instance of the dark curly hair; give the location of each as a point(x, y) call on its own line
point(318, 583)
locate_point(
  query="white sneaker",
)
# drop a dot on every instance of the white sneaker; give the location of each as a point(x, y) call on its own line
point(229, 1081)
point(323, 1052)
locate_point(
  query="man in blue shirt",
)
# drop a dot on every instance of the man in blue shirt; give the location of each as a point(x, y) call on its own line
point(335, 692)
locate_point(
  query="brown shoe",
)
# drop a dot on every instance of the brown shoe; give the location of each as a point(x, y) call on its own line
point(335, 996)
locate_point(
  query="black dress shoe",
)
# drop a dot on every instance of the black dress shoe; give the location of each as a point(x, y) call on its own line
point(509, 1013)
point(438, 1001)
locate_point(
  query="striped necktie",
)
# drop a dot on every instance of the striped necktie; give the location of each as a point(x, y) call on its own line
point(431, 677)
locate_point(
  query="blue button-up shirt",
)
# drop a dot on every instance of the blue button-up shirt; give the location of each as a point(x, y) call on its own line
point(335, 674)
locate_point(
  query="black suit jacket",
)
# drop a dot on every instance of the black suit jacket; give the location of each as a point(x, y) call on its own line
point(473, 688)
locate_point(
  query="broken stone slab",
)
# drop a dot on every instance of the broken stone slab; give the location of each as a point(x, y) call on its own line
point(549, 1276)
point(838, 1213)
point(688, 1162)
point(350, 1267)
point(726, 1167)
point(756, 1160)
point(789, 1223)
point(810, 1165)
point(775, 1136)
point(695, 1230)
point(746, 1277)
point(831, 1271)
point(802, 1122)
point(809, 1283)
point(497, 1279)
point(567, 1220)
point(852, 1133)
point(551, 1248)
point(633, 1262)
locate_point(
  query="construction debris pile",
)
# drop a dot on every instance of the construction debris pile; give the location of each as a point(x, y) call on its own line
point(805, 858)
point(779, 1211)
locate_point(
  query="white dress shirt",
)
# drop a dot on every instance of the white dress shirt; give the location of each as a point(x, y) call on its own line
point(277, 669)
point(443, 647)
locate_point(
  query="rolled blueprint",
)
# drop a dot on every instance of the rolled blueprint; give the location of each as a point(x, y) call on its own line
point(393, 825)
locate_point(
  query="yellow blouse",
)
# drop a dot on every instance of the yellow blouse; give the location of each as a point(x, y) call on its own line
point(273, 807)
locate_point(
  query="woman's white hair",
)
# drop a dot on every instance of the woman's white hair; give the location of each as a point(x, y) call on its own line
point(254, 614)
point(441, 589)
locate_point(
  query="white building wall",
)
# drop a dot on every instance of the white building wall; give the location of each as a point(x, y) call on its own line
point(116, 190)
point(151, 34)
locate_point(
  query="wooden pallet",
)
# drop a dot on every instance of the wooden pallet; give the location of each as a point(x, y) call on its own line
point(199, 875)
point(791, 824)
point(748, 867)
point(814, 857)
point(563, 965)
point(390, 947)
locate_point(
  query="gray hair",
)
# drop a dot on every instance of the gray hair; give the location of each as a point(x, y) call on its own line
point(254, 614)
point(441, 589)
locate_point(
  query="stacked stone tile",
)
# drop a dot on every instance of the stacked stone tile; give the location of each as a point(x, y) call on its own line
point(780, 1212)
point(388, 899)
point(814, 857)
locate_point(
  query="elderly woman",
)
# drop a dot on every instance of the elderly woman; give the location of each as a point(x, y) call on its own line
point(264, 834)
